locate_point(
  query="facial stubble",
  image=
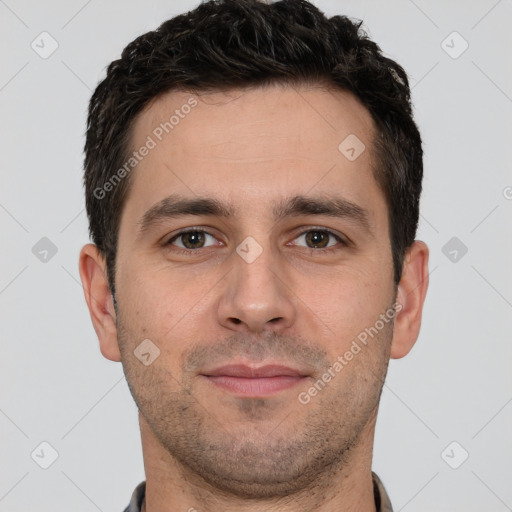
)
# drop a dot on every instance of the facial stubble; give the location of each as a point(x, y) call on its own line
point(257, 448)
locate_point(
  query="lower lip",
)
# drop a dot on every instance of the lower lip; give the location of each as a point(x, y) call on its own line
point(255, 387)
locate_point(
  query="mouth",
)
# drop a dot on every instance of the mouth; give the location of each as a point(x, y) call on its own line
point(252, 382)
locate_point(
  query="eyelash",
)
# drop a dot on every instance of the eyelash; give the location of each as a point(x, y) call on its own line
point(190, 252)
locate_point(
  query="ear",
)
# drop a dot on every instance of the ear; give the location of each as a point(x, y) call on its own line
point(99, 300)
point(411, 292)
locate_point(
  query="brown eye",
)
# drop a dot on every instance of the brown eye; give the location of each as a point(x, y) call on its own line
point(190, 239)
point(319, 239)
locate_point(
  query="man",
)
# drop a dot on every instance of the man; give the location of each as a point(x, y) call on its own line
point(253, 175)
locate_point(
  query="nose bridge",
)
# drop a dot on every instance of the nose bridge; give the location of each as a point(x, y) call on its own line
point(256, 296)
point(255, 267)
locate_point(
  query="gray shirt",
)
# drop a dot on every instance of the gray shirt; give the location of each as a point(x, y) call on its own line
point(382, 502)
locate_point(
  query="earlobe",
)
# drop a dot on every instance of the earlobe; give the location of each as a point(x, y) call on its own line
point(411, 294)
point(99, 300)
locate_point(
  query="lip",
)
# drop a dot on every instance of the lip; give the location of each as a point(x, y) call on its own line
point(242, 370)
point(247, 381)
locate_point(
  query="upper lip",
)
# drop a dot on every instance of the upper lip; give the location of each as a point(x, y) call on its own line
point(241, 370)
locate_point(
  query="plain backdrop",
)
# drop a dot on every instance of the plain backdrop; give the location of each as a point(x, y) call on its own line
point(443, 439)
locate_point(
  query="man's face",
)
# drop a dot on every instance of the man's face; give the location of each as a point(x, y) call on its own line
point(255, 288)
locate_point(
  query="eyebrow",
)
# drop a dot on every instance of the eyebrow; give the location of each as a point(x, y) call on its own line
point(175, 206)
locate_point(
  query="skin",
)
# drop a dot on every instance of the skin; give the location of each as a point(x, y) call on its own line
point(205, 448)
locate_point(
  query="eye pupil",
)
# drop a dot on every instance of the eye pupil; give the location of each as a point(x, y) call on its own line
point(196, 239)
point(317, 238)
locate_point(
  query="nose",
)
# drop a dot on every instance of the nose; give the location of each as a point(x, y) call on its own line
point(256, 296)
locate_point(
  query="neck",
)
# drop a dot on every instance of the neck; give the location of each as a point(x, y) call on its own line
point(170, 486)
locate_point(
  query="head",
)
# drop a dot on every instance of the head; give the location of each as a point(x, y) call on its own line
point(286, 141)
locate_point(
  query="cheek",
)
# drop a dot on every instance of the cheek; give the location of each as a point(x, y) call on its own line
point(168, 307)
point(346, 303)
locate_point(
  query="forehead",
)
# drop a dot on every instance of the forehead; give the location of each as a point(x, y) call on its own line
point(255, 120)
point(252, 145)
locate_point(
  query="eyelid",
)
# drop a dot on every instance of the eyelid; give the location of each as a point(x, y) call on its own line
point(192, 229)
point(342, 239)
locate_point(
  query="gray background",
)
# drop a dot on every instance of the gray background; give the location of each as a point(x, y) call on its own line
point(455, 385)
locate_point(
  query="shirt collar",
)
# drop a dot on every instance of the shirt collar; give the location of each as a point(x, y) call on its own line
point(382, 501)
